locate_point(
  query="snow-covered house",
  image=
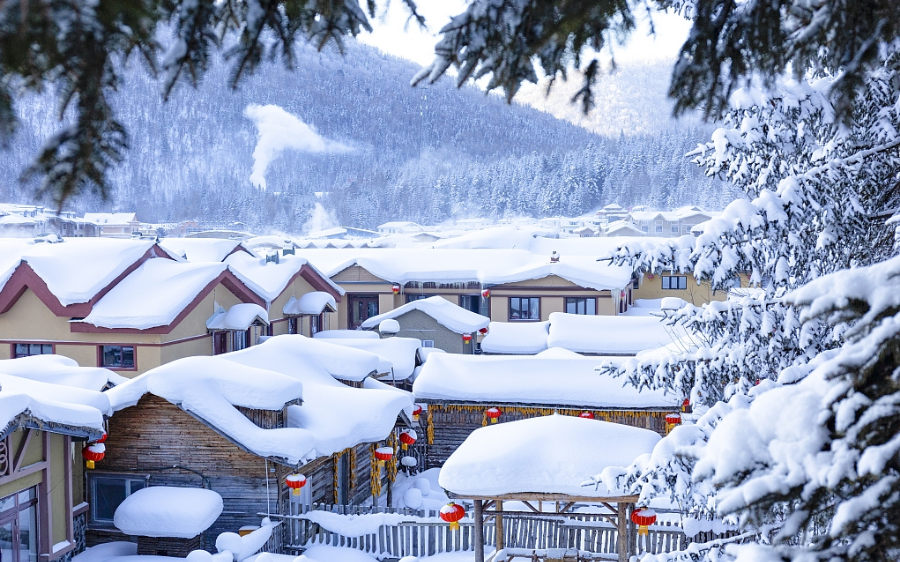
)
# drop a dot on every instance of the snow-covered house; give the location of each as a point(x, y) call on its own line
point(398, 356)
point(505, 284)
point(399, 227)
point(460, 389)
point(46, 414)
point(203, 249)
point(239, 423)
point(670, 224)
point(435, 321)
point(114, 225)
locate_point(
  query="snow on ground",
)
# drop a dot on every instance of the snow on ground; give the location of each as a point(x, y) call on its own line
point(525, 338)
point(164, 511)
point(420, 491)
point(552, 377)
point(544, 455)
point(451, 316)
point(152, 295)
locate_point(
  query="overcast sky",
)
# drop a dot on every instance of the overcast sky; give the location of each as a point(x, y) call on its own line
point(392, 35)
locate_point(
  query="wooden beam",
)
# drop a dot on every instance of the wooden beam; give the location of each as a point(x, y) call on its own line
point(614, 510)
point(531, 507)
point(498, 522)
point(622, 534)
point(566, 507)
point(540, 496)
point(478, 539)
point(20, 454)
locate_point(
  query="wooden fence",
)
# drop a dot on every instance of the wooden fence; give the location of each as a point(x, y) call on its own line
point(423, 534)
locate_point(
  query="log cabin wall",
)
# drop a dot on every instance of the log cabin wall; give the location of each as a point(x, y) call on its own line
point(156, 434)
point(450, 423)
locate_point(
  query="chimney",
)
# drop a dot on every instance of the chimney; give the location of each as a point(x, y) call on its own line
point(554, 257)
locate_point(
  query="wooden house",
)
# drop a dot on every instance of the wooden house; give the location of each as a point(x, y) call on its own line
point(461, 394)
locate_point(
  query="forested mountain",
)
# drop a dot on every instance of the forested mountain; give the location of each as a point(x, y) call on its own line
point(422, 154)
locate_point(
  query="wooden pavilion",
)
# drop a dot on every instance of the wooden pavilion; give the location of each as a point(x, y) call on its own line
point(548, 459)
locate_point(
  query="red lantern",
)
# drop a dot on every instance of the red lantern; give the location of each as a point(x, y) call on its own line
point(102, 439)
point(686, 405)
point(395, 288)
point(92, 453)
point(417, 411)
point(586, 415)
point(467, 338)
point(295, 481)
point(493, 414)
point(672, 420)
point(407, 437)
point(452, 513)
point(486, 293)
point(482, 331)
point(643, 518)
point(650, 276)
point(383, 454)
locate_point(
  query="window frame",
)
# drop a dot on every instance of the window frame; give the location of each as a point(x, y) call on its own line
point(509, 312)
point(583, 301)
point(93, 478)
point(666, 282)
point(12, 517)
point(293, 325)
point(101, 355)
point(15, 355)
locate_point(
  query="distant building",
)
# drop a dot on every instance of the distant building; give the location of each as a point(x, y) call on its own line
point(399, 227)
point(670, 224)
point(114, 225)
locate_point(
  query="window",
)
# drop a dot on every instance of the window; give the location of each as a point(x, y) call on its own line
point(316, 324)
point(107, 492)
point(19, 527)
point(238, 340)
point(411, 298)
point(474, 303)
point(645, 228)
point(659, 228)
point(674, 282)
point(581, 305)
point(635, 284)
point(117, 356)
point(28, 349)
point(292, 325)
point(427, 343)
point(524, 308)
point(675, 229)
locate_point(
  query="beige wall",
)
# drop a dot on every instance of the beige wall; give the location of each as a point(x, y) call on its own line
point(552, 304)
point(695, 294)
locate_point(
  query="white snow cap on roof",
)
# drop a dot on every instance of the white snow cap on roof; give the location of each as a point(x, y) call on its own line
point(607, 335)
point(444, 312)
point(239, 317)
point(110, 218)
point(270, 279)
point(166, 511)
point(552, 377)
point(389, 326)
point(201, 249)
point(312, 304)
point(345, 334)
point(51, 403)
point(522, 338)
point(544, 455)
point(76, 270)
point(398, 355)
point(60, 370)
point(152, 295)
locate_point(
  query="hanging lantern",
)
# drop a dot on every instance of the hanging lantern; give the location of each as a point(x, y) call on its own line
point(672, 420)
point(486, 294)
point(295, 481)
point(92, 453)
point(417, 411)
point(407, 437)
point(395, 288)
point(467, 338)
point(686, 405)
point(586, 415)
point(452, 513)
point(102, 439)
point(493, 414)
point(383, 454)
point(643, 518)
point(650, 276)
point(482, 331)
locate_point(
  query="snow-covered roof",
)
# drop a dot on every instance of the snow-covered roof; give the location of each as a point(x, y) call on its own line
point(446, 313)
point(167, 511)
point(544, 455)
point(398, 354)
point(608, 335)
point(58, 408)
point(239, 317)
point(284, 368)
point(110, 218)
point(60, 370)
point(313, 303)
point(201, 249)
point(346, 334)
point(623, 227)
point(555, 377)
point(488, 267)
point(270, 279)
point(153, 295)
point(516, 338)
point(77, 269)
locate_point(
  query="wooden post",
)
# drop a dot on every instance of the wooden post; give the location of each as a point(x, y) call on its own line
point(478, 539)
point(498, 520)
point(622, 529)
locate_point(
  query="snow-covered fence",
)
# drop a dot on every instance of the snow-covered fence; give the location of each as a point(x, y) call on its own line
point(383, 532)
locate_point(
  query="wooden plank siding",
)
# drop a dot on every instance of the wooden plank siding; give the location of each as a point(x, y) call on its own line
point(450, 423)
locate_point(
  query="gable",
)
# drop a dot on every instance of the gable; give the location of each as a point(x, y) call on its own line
point(356, 274)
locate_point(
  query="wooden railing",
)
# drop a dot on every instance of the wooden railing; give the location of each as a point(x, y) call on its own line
point(420, 533)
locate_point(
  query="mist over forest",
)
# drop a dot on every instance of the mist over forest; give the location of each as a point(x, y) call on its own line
point(350, 133)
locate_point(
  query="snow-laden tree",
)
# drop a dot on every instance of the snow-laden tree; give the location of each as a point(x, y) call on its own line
point(799, 381)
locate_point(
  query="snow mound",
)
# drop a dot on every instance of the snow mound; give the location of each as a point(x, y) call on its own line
point(607, 335)
point(451, 316)
point(398, 354)
point(60, 370)
point(523, 338)
point(544, 455)
point(345, 334)
point(164, 511)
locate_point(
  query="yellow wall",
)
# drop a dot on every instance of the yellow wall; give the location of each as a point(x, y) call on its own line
point(694, 294)
point(552, 304)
